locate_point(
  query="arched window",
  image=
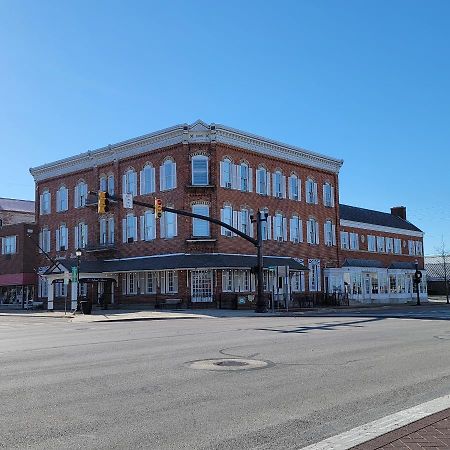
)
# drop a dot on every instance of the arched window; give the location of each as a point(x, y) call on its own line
point(262, 181)
point(279, 184)
point(111, 184)
point(328, 195)
point(311, 191)
point(168, 175)
point(62, 238)
point(200, 170)
point(129, 182)
point(200, 228)
point(226, 173)
point(226, 215)
point(147, 179)
point(45, 200)
point(295, 229)
point(246, 178)
point(294, 187)
point(62, 199)
point(312, 231)
point(103, 185)
point(81, 192)
point(329, 233)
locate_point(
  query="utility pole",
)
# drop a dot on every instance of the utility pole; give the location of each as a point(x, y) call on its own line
point(261, 306)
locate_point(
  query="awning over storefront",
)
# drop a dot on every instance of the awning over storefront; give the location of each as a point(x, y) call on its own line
point(179, 261)
point(402, 265)
point(362, 263)
point(19, 279)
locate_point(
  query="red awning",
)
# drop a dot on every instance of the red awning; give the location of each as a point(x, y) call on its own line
point(19, 279)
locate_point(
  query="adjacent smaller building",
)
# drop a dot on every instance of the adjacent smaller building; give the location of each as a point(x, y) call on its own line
point(438, 272)
point(14, 211)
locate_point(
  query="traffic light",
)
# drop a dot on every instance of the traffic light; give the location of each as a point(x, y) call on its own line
point(102, 205)
point(158, 208)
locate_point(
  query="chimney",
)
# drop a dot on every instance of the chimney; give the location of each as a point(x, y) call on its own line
point(399, 211)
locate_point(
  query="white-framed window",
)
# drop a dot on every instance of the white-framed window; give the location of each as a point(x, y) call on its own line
point(266, 226)
point(294, 188)
point(312, 231)
point(311, 191)
point(314, 275)
point(245, 178)
point(129, 228)
point(345, 243)
point(227, 280)
point(200, 172)
point(42, 288)
point(200, 228)
point(279, 184)
point(226, 215)
point(129, 182)
point(328, 195)
point(106, 230)
point(9, 245)
point(45, 202)
point(131, 283)
point(389, 245)
point(397, 246)
point(168, 175)
point(62, 199)
point(279, 227)
point(151, 280)
point(329, 231)
point(298, 282)
point(44, 240)
point(169, 281)
point(62, 236)
point(244, 223)
point(148, 226)
point(103, 183)
point(380, 244)
point(81, 235)
point(354, 241)
point(295, 229)
point(111, 184)
point(60, 290)
point(262, 181)
point(168, 224)
point(419, 248)
point(226, 173)
point(371, 243)
point(147, 180)
point(81, 193)
point(242, 280)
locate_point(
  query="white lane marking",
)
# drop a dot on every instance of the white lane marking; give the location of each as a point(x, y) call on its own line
point(371, 430)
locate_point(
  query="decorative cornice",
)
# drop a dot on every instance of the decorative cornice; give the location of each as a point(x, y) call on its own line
point(380, 228)
point(198, 132)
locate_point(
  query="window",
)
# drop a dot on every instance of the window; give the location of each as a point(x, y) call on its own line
point(398, 246)
point(227, 281)
point(129, 182)
point(411, 248)
point(262, 181)
point(107, 230)
point(62, 238)
point(62, 199)
point(314, 275)
point(244, 223)
point(311, 191)
point(298, 282)
point(226, 215)
point(147, 180)
point(131, 283)
point(150, 282)
point(241, 280)
point(111, 184)
point(200, 228)
point(295, 230)
point(329, 231)
point(279, 228)
point(9, 245)
point(200, 170)
point(169, 282)
point(419, 250)
point(266, 226)
point(129, 228)
point(294, 187)
point(279, 185)
point(226, 173)
point(60, 290)
point(81, 235)
point(44, 240)
point(328, 195)
point(371, 244)
point(389, 245)
point(246, 179)
point(168, 224)
point(81, 193)
point(103, 185)
point(168, 175)
point(148, 226)
point(354, 241)
point(344, 240)
point(45, 202)
point(380, 244)
point(312, 231)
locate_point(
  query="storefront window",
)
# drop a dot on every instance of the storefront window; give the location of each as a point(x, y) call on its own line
point(374, 282)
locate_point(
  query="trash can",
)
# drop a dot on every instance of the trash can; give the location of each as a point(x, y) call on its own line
point(86, 307)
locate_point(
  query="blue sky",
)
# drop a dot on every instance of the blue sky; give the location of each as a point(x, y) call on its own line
point(365, 81)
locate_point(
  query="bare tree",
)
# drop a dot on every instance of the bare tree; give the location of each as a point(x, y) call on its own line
point(444, 254)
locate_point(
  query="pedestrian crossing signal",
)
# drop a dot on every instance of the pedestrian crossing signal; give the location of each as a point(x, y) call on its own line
point(102, 205)
point(158, 208)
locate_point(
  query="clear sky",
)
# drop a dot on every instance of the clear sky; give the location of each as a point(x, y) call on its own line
point(365, 81)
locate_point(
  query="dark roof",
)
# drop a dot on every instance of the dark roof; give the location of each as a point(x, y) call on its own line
point(362, 263)
point(434, 265)
point(372, 217)
point(16, 205)
point(402, 265)
point(180, 261)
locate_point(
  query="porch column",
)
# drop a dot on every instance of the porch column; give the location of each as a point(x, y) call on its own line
point(74, 296)
point(50, 295)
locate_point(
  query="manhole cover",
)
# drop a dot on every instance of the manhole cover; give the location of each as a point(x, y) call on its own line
point(229, 364)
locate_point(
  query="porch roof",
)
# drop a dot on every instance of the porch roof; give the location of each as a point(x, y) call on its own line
point(349, 262)
point(179, 261)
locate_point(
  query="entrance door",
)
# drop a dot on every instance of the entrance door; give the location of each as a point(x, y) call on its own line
point(201, 286)
point(367, 286)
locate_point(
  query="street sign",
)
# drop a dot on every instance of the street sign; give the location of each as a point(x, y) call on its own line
point(74, 274)
point(127, 201)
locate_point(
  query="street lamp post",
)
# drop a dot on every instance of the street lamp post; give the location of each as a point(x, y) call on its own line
point(78, 255)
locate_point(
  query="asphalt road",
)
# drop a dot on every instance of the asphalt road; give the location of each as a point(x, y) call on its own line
point(130, 384)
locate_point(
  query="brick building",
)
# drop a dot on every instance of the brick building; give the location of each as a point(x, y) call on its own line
point(18, 258)
point(210, 170)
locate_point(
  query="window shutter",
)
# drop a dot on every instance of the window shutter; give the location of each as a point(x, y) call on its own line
point(174, 176)
point(222, 182)
point(142, 183)
point(290, 193)
point(124, 230)
point(268, 184)
point(315, 193)
point(299, 188)
point(300, 230)
point(317, 232)
point(40, 242)
point(76, 238)
point(333, 230)
point(142, 229)
point(258, 181)
point(162, 225)
point(284, 229)
point(250, 179)
point(235, 220)
point(274, 187)
point(76, 196)
point(250, 226)
point(324, 194)
point(175, 223)
point(283, 187)
point(41, 204)
point(239, 221)
point(234, 176)
point(135, 184)
point(58, 198)
point(86, 234)
point(332, 196)
point(291, 229)
point(222, 229)
point(269, 227)
point(308, 232)
point(111, 231)
point(161, 178)
point(152, 184)
point(325, 236)
point(135, 235)
point(57, 239)
point(163, 282)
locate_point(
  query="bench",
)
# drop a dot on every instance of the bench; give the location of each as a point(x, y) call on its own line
point(168, 303)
